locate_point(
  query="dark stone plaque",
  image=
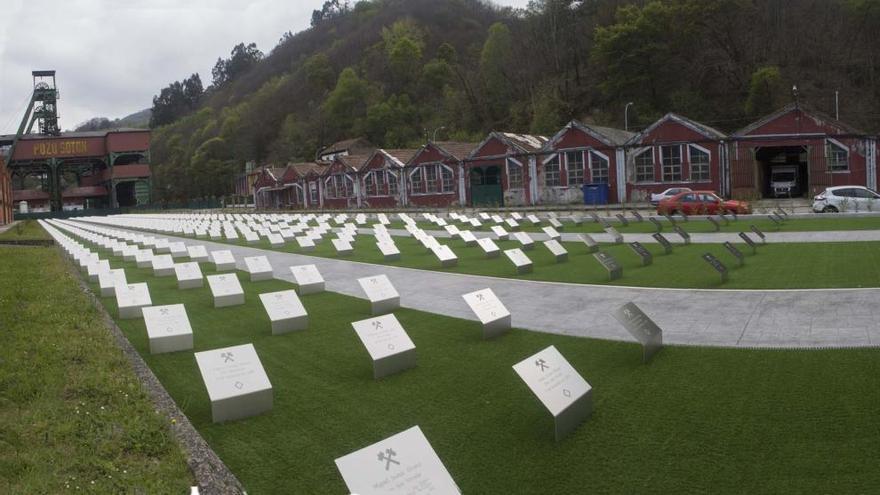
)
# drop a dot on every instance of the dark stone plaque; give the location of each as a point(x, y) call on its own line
point(748, 240)
point(615, 271)
point(669, 219)
point(622, 219)
point(644, 254)
point(657, 224)
point(714, 223)
point(735, 252)
point(638, 216)
point(642, 328)
point(663, 241)
point(615, 235)
point(592, 245)
point(724, 218)
point(594, 217)
point(717, 265)
point(684, 235)
point(758, 233)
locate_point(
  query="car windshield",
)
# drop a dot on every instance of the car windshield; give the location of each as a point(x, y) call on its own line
point(783, 177)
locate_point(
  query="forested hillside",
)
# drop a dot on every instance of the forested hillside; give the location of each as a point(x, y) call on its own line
point(396, 70)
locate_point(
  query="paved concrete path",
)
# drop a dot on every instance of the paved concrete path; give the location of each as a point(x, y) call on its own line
point(705, 238)
point(726, 318)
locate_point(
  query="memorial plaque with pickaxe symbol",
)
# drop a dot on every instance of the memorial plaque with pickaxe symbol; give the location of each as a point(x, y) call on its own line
point(387, 458)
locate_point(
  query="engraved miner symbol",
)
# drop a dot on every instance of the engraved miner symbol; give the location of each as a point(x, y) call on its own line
point(627, 313)
point(566, 392)
point(164, 311)
point(542, 364)
point(238, 385)
point(227, 357)
point(387, 457)
point(377, 324)
point(480, 297)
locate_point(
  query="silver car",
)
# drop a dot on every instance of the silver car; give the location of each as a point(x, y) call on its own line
point(846, 198)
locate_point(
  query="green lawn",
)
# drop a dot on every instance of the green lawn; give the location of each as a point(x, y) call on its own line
point(25, 230)
point(73, 417)
point(694, 420)
point(693, 225)
point(775, 266)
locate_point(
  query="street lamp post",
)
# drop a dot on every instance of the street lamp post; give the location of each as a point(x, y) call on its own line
point(434, 134)
point(626, 116)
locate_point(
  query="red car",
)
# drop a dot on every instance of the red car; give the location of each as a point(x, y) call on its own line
point(701, 203)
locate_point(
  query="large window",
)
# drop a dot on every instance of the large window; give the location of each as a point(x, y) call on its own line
point(370, 185)
point(599, 168)
point(837, 157)
point(431, 178)
point(515, 174)
point(392, 183)
point(338, 186)
point(551, 172)
point(645, 166)
point(415, 179)
point(699, 161)
point(313, 192)
point(448, 179)
point(671, 163)
point(575, 164)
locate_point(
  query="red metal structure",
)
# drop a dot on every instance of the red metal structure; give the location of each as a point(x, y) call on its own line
point(5, 195)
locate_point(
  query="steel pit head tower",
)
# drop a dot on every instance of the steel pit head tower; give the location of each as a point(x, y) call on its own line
point(54, 171)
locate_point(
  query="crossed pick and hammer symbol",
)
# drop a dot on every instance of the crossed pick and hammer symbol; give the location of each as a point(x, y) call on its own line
point(542, 364)
point(227, 357)
point(387, 457)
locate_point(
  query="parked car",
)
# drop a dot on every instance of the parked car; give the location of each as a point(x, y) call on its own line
point(672, 191)
point(846, 198)
point(701, 203)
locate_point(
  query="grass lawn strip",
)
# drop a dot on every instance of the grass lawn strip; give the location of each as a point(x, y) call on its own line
point(72, 413)
point(25, 230)
point(695, 420)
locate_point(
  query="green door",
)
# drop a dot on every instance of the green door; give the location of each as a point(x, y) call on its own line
point(486, 186)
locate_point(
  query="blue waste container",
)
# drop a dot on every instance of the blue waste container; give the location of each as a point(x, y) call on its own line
point(595, 194)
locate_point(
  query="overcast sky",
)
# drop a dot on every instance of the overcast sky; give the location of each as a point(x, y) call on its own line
point(112, 56)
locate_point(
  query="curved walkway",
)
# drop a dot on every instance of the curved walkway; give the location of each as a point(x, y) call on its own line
point(727, 318)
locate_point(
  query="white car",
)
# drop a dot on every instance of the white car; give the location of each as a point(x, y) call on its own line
point(672, 191)
point(846, 198)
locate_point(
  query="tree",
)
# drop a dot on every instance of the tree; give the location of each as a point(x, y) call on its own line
point(766, 91)
point(495, 60)
point(242, 58)
point(346, 104)
point(403, 44)
point(176, 100)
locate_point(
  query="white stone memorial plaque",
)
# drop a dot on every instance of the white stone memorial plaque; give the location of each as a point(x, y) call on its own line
point(342, 246)
point(108, 281)
point(177, 249)
point(500, 233)
point(131, 298)
point(389, 250)
point(223, 260)
point(197, 253)
point(189, 275)
point(491, 313)
point(640, 326)
point(236, 382)
point(226, 290)
point(525, 240)
point(489, 247)
point(468, 238)
point(259, 268)
point(388, 344)
point(307, 278)
point(552, 233)
point(305, 243)
point(401, 464)
point(276, 240)
point(168, 328)
point(558, 386)
point(519, 259)
point(382, 295)
point(285, 311)
point(97, 267)
point(559, 253)
point(163, 265)
point(445, 255)
point(144, 258)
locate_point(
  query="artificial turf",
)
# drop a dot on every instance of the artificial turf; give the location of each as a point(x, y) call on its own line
point(73, 417)
point(774, 266)
point(703, 420)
